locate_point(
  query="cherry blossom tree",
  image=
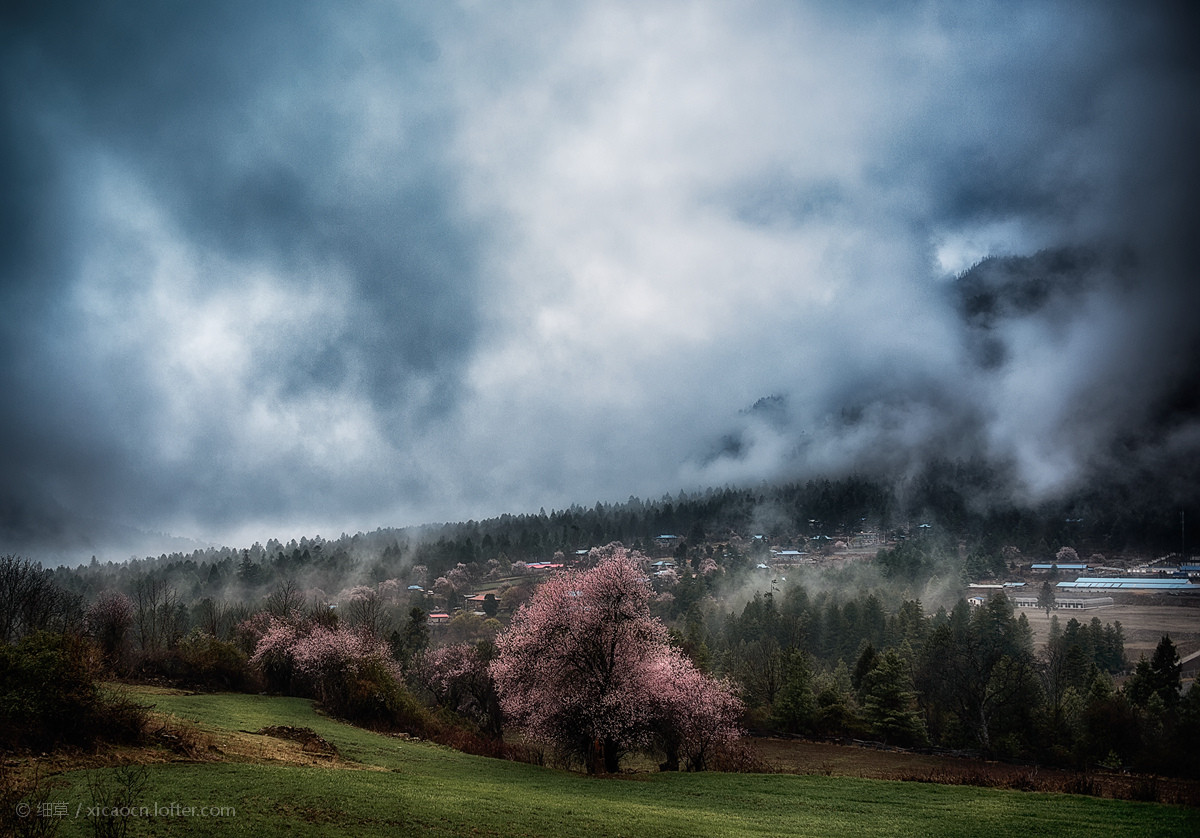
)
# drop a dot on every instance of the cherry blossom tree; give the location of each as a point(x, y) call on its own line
point(329, 659)
point(584, 668)
point(696, 715)
point(459, 678)
point(444, 590)
point(315, 659)
point(274, 649)
point(391, 591)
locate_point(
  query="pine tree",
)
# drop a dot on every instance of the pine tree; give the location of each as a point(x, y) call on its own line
point(1165, 668)
point(890, 703)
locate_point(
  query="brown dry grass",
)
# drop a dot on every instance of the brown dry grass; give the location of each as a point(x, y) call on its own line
point(171, 739)
point(1144, 625)
point(796, 756)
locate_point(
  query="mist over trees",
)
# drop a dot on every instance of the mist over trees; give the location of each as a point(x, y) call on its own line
point(957, 497)
point(883, 648)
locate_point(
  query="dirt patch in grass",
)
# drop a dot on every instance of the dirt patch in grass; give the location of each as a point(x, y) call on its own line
point(261, 746)
point(310, 741)
point(795, 756)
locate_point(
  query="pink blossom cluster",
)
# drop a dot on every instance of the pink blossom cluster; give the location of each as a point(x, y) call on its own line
point(251, 630)
point(391, 591)
point(273, 651)
point(330, 653)
point(584, 667)
point(459, 677)
point(313, 657)
point(701, 714)
point(445, 667)
point(357, 593)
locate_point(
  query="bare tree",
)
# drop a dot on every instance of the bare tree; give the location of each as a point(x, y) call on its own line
point(286, 600)
point(218, 618)
point(159, 617)
point(367, 611)
point(30, 601)
point(108, 620)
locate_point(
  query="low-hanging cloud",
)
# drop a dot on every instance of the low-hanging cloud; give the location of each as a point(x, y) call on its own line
point(291, 268)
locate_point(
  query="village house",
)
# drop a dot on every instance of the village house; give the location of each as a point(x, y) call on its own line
point(1082, 603)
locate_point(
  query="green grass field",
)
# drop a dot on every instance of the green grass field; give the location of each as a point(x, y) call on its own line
point(386, 786)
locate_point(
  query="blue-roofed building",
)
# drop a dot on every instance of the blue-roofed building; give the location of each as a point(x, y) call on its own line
point(1125, 583)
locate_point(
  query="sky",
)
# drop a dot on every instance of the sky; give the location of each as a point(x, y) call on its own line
point(284, 268)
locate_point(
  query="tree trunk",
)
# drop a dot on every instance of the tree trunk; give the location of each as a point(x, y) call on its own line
point(612, 757)
point(672, 761)
point(594, 757)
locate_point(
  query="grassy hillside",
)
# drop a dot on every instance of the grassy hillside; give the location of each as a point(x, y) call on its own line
point(379, 785)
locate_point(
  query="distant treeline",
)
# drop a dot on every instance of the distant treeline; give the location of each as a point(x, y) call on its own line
point(963, 501)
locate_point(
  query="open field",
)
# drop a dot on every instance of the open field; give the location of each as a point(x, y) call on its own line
point(1144, 626)
point(806, 757)
point(383, 785)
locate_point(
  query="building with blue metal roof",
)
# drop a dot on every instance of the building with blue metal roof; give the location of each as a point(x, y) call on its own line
point(1119, 583)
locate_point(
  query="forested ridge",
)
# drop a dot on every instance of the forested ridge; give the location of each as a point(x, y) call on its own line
point(959, 499)
point(868, 637)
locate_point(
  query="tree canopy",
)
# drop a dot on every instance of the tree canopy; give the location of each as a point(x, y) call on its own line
point(585, 669)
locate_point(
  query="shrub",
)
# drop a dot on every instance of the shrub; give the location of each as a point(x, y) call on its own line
point(209, 663)
point(375, 698)
point(21, 793)
point(49, 697)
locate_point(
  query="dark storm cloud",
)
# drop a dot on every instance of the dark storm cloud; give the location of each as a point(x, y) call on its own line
point(242, 130)
point(1060, 139)
point(309, 267)
point(232, 113)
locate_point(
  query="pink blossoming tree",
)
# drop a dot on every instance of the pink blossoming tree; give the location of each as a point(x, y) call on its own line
point(585, 669)
point(330, 659)
point(350, 671)
point(274, 649)
point(459, 678)
point(696, 714)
